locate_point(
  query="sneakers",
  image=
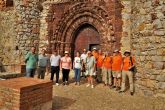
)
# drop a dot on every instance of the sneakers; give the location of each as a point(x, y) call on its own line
point(87, 85)
point(57, 84)
point(66, 83)
point(92, 86)
point(118, 88)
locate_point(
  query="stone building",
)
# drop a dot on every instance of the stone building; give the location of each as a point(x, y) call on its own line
point(138, 25)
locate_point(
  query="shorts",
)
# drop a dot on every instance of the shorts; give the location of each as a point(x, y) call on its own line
point(116, 74)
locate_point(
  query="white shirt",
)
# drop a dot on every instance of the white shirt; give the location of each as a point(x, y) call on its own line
point(55, 60)
point(77, 62)
point(83, 56)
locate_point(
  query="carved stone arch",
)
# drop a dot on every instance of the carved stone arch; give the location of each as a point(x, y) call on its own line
point(73, 19)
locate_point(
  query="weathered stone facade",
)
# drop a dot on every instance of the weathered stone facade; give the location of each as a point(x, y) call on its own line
point(138, 26)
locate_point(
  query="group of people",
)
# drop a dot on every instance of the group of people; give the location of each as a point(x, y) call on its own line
point(95, 65)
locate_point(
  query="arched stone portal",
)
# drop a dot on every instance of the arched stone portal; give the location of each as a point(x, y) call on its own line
point(72, 20)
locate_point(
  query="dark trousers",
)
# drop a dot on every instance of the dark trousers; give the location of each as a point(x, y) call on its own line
point(55, 69)
point(41, 72)
point(65, 73)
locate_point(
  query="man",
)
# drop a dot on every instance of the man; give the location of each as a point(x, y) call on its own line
point(90, 69)
point(116, 69)
point(107, 65)
point(83, 57)
point(55, 66)
point(128, 63)
point(31, 60)
point(99, 64)
point(43, 63)
point(95, 53)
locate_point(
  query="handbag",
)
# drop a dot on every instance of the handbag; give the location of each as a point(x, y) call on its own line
point(132, 69)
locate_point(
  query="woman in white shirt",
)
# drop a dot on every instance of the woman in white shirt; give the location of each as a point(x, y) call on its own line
point(77, 64)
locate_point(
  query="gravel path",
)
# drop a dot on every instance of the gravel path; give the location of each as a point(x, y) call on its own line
point(74, 97)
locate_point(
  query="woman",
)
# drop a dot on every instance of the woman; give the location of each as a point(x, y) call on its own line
point(90, 69)
point(107, 75)
point(77, 64)
point(128, 63)
point(65, 65)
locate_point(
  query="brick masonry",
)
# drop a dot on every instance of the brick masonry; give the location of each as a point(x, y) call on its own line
point(25, 94)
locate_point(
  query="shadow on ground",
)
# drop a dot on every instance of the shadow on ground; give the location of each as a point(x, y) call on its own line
point(60, 103)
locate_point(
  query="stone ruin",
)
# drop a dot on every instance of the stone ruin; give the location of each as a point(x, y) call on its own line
point(138, 25)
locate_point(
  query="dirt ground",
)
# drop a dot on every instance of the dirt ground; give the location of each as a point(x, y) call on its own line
point(73, 97)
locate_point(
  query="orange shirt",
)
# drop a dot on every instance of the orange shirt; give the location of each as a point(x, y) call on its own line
point(116, 63)
point(100, 60)
point(127, 63)
point(95, 54)
point(107, 63)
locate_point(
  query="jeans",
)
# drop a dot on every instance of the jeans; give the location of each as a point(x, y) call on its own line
point(77, 74)
point(41, 72)
point(55, 69)
point(65, 74)
point(30, 72)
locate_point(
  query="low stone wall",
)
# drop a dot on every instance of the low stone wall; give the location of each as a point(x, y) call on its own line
point(25, 94)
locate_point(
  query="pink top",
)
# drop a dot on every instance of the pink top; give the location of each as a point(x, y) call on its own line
point(66, 62)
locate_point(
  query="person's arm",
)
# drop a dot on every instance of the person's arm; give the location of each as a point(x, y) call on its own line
point(73, 63)
point(27, 57)
point(70, 63)
point(94, 64)
point(61, 64)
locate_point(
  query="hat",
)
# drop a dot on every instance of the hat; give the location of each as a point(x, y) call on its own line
point(127, 51)
point(66, 52)
point(116, 50)
point(94, 48)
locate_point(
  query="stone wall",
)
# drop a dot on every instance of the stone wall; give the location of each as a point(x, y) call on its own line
point(148, 44)
point(7, 36)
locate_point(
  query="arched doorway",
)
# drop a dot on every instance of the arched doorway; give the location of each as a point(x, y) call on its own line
point(86, 37)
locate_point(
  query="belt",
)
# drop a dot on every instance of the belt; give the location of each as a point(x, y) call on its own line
point(42, 66)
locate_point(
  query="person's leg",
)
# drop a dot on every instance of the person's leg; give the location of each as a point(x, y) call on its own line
point(28, 72)
point(52, 73)
point(104, 76)
point(78, 75)
point(75, 71)
point(92, 81)
point(115, 79)
point(130, 77)
point(99, 74)
point(43, 70)
point(57, 71)
point(67, 74)
point(109, 77)
point(63, 75)
point(123, 81)
point(33, 72)
point(39, 72)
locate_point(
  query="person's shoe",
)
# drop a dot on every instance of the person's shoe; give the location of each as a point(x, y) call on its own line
point(75, 83)
point(78, 83)
point(118, 88)
point(112, 87)
point(87, 85)
point(92, 86)
point(63, 83)
point(121, 91)
point(66, 83)
point(57, 84)
point(131, 93)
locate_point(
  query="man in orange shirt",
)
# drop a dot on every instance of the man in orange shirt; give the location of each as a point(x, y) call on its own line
point(128, 63)
point(99, 64)
point(116, 69)
point(107, 76)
